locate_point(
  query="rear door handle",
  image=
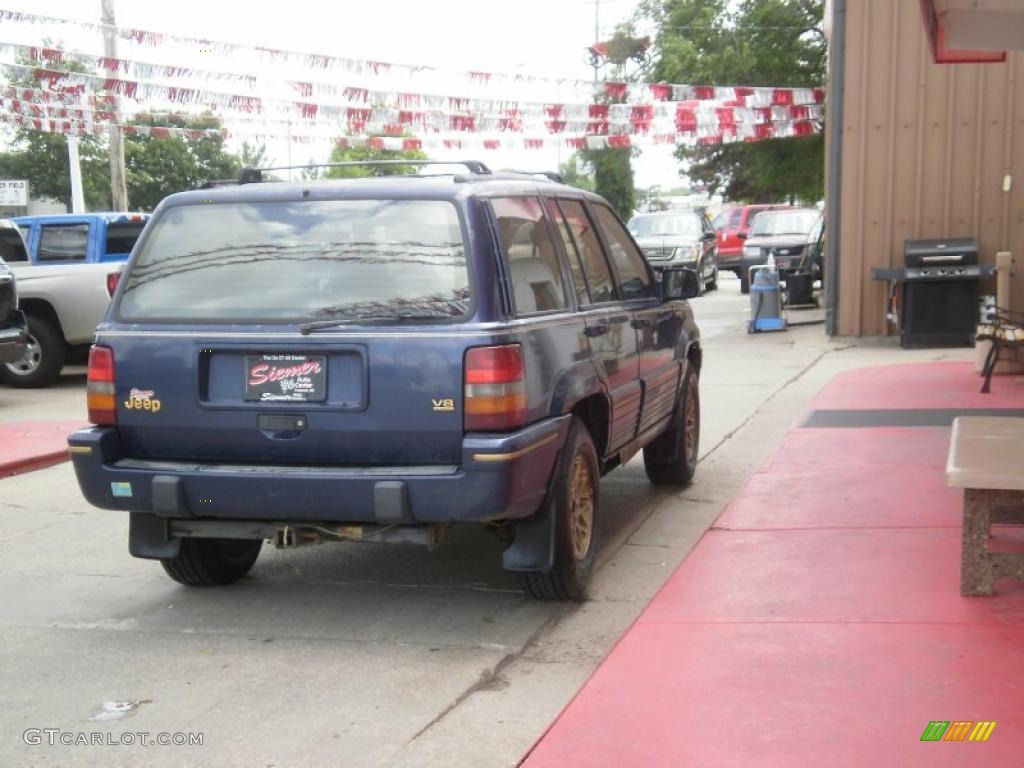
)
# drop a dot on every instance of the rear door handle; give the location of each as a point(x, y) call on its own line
point(597, 330)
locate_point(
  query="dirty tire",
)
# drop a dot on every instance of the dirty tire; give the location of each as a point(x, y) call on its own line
point(575, 504)
point(713, 282)
point(42, 365)
point(212, 562)
point(744, 282)
point(672, 458)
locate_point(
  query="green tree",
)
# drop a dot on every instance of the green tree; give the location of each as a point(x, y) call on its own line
point(42, 157)
point(613, 178)
point(344, 154)
point(573, 175)
point(754, 43)
point(157, 167)
point(253, 155)
point(613, 169)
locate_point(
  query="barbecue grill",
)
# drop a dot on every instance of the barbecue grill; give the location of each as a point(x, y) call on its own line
point(939, 289)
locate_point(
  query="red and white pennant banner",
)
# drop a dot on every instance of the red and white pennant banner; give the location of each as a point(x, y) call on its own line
point(85, 123)
point(628, 92)
point(313, 92)
point(699, 118)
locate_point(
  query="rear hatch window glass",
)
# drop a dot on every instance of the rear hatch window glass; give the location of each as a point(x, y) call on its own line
point(121, 237)
point(253, 262)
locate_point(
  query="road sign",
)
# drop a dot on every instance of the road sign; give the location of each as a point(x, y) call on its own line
point(13, 192)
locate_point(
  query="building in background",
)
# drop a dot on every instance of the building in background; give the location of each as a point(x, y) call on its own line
point(918, 148)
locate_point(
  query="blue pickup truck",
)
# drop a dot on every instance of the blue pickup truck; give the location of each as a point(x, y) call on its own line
point(76, 238)
point(376, 359)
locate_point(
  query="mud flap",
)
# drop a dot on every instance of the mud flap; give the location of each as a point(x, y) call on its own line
point(148, 537)
point(533, 548)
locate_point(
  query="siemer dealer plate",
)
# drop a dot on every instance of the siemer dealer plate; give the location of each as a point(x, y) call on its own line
point(286, 378)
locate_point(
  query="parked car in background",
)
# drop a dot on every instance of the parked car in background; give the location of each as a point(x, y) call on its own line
point(733, 228)
point(380, 358)
point(678, 238)
point(81, 238)
point(13, 330)
point(784, 235)
point(62, 304)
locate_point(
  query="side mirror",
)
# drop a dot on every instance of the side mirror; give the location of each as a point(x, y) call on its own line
point(742, 235)
point(679, 283)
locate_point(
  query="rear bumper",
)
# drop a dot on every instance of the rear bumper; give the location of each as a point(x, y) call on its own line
point(13, 337)
point(500, 477)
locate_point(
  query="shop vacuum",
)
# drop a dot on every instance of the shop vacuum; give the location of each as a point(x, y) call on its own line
point(765, 299)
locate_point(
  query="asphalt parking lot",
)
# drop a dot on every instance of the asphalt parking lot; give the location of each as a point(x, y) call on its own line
point(353, 654)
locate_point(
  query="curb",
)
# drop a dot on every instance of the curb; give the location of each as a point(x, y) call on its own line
point(40, 461)
point(26, 446)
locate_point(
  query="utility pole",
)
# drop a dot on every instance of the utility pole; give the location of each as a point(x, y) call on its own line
point(118, 187)
point(77, 198)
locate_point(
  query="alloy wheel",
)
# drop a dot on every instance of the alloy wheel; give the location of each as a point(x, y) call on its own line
point(581, 514)
point(30, 361)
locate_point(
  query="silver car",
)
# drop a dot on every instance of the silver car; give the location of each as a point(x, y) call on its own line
point(785, 235)
point(13, 331)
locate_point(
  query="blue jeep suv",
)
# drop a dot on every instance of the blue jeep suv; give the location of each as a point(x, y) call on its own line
point(379, 358)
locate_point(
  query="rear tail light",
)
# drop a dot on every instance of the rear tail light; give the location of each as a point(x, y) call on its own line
point(100, 387)
point(495, 388)
point(112, 280)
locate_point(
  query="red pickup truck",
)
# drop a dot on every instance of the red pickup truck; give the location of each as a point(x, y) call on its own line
point(732, 227)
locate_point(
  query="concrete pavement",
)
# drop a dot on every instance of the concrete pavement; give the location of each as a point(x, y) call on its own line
point(819, 621)
point(359, 655)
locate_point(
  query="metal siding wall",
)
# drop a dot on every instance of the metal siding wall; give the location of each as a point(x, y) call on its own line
point(925, 149)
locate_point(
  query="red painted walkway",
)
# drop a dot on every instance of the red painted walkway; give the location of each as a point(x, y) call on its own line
point(28, 445)
point(819, 622)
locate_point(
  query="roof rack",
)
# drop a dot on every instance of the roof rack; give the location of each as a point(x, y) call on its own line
point(250, 175)
point(549, 175)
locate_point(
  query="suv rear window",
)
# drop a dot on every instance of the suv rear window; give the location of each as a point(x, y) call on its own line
point(252, 262)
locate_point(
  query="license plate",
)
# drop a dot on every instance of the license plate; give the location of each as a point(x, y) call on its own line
point(286, 378)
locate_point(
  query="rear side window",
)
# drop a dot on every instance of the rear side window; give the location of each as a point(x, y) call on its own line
point(634, 280)
point(63, 242)
point(735, 217)
point(121, 237)
point(588, 248)
point(12, 247)
point(531, 257)
point(325, 259)
point(578, 278)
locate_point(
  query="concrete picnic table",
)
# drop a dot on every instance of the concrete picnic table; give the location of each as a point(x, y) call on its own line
point(986, 459)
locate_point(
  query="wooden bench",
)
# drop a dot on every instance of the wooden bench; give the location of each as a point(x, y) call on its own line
point(986, 459)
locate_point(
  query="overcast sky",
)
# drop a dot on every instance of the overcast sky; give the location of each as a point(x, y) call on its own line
point(539, 37)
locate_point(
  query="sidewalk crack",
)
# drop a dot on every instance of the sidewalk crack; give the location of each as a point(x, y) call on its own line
point(491, 677)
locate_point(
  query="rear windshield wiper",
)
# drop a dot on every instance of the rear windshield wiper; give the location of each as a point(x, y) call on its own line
point(313, 325)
